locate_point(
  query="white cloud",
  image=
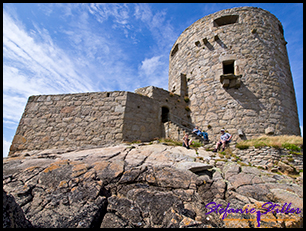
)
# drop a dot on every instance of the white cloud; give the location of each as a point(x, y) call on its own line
point(13, 107)
point(161, 29)
point(154, 71)
point(6, 147)
point(15, 81)
point(48, 65)
point(103, 11)
point(33, 65)
point(301, 127)
point(143, 12)
point(149, 66)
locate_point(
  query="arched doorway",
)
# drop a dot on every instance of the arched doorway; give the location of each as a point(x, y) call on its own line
point(165, 114)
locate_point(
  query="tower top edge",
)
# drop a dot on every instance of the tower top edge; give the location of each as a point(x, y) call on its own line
point(225, 12)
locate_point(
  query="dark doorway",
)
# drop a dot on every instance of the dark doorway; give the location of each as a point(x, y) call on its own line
point(165, 114)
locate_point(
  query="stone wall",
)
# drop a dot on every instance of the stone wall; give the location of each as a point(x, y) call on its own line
point(142, 119)
point(173, 103)
point(70, 121)
point(236, 70)
point(268, 155)
point(97, 119)
point(173, 131)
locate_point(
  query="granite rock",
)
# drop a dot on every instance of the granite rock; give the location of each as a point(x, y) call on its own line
point(140, 186)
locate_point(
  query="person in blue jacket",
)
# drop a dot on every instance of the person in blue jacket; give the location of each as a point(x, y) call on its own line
point(198, 132)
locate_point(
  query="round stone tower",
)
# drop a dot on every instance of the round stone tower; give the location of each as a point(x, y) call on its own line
point(233, 67)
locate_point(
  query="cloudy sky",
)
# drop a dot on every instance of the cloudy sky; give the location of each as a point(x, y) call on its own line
point(74, 48)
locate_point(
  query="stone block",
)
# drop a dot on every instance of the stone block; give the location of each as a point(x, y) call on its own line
point(67, 109)
point(269, 131)
point(226, 82)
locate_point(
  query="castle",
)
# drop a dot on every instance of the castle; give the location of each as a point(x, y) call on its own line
point(227, 70)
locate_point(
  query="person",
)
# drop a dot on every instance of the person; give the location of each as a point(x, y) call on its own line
point(197, 131)
point(186, 141)
point(205, 135)
point(224, 139)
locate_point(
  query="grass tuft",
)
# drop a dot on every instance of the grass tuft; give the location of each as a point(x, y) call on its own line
point(293, 143)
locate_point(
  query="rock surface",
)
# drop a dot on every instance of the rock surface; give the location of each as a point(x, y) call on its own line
point(13, 216)
point(143, 186)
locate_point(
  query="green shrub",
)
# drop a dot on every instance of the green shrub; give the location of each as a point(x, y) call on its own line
point(292, 147)
point(290, 159)
point(259, 144)
point(295, 153)
point(196, 144)
point(170, 142)
point(242, 146)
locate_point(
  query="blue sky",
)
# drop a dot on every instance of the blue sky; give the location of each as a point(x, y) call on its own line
point(73, 48)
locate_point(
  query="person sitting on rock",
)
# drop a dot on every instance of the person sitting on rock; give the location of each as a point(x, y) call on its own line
point(197, 131)
point(186, 141)
point(205, 135)
point(224, 139)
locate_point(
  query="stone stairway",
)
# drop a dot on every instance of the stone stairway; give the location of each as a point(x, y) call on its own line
point(181, 130)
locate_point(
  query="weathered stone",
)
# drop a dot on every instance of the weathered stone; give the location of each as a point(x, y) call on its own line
point(284, 196)
point(193, 166)
point(235, 53)
point(230, 169)
point(269, 131)
point(100, 188)
point(13, 216)
point(285, 168)
point(67, 109)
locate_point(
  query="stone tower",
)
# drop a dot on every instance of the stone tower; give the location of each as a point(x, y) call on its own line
point(234, 68)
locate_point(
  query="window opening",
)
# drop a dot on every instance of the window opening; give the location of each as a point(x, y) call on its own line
point(165, 114)
point(225, 20)
point(175, 49)
point(197, 43)
point(228, 67)
point(229, 79)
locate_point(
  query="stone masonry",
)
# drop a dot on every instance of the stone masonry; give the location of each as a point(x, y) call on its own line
point(70, 120)
point(227, 70)
point(86, 120)
point(233, 66)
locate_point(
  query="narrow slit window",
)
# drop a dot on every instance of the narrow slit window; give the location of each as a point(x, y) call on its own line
point(228, 67)
point(225, 20)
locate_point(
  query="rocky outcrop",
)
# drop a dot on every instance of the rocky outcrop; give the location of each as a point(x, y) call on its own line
point(145, 186)
point(13, 216)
